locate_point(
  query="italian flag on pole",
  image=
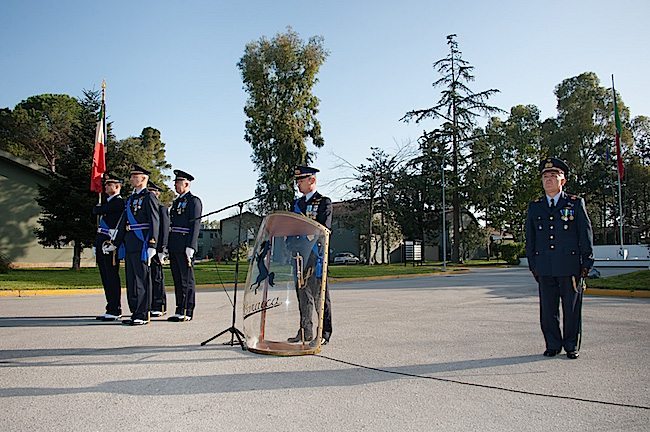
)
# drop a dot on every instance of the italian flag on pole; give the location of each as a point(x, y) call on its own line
point(619, 130)
point(99, 156)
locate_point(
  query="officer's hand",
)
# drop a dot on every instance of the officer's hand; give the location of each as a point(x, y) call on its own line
point(189, 253)
point(161, 257)
point(107, 248)
point(150, 254)
point(584, 273)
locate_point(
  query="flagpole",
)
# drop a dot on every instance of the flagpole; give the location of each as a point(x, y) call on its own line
point(103, 110)
point(619, 156)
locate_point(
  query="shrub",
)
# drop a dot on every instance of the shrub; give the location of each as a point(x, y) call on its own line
point(511, 252)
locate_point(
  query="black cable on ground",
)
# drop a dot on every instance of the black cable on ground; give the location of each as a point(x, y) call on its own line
point(223, 286)
point(486, 386)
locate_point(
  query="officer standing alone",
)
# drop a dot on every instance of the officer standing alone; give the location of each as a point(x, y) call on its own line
point(319, 208)
point(109, 214)
point(183, 239)
point(559, 248)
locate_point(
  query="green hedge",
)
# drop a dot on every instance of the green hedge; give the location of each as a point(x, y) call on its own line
point(511, 252)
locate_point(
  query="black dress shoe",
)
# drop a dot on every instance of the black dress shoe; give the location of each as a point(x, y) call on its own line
point(551, 352)
point(297, 338)
point(573, 355)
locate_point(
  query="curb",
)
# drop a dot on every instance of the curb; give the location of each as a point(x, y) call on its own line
point(600, 292)
point(596, 292)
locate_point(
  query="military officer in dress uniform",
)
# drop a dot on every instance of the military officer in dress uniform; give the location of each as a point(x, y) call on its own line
point(138, 231)
point(158, 294)
point(319, 208)
point(109, 214)
point(183, 238)
point(559, 248)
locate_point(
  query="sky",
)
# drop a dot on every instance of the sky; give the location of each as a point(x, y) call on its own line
point(172, 65)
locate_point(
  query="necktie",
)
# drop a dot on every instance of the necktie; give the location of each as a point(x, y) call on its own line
point(552, 203)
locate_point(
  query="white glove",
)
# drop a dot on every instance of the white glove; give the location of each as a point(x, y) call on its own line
point(112, 233)
point(150, 253)
point(189, 253)
point(94, 251)
point(161, 257)
point(107, 248)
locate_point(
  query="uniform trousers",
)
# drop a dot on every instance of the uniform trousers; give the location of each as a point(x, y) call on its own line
point(110, 274)
point(184, 285)
point(158, 294)
point(551, 290)
point(138, 285)
point(308, 301)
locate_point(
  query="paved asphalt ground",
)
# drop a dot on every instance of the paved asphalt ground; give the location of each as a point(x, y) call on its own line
point(414, 354)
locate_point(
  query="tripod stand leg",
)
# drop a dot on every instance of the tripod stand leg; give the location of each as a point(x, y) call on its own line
point(214, 337)
point(234, 332)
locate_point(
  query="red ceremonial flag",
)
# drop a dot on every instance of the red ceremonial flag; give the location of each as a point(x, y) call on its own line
point(99, 156)
point(619, 130)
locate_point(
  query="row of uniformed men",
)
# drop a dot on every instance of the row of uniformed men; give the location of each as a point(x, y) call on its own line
point(139, 230)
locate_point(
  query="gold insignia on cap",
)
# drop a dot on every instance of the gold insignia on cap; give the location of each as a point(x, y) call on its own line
point(296, 172)
point(549, 164)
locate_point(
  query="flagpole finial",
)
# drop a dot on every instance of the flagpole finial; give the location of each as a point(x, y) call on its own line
point(103, 84)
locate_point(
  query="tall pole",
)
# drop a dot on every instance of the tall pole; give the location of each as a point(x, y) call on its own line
point(444, 218)
point(619, 155)
point(103, 114)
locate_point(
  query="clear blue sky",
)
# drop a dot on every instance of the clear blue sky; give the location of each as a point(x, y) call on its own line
point(172, 65)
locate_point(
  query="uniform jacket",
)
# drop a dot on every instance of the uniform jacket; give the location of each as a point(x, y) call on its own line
point(163, 234)
point(559, 241)
point(318, 208)
point(144, 207)
point(109, 212)
point(182, 212)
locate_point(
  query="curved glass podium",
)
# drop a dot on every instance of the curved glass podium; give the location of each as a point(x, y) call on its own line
point(285, 286)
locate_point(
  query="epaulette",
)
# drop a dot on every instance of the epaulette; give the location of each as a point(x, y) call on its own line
point(574, 197)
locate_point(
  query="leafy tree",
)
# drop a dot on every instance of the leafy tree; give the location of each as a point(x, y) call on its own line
point(40, 128)
point(640, 128)
point(67, 200)
point(459, 108)
point(279, 76)
point(146, 150)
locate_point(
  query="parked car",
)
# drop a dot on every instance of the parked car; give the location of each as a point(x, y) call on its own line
point(345, 258)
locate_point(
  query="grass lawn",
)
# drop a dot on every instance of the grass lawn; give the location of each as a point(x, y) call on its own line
point(205, 273)
point(62, 278)
point(639, 280)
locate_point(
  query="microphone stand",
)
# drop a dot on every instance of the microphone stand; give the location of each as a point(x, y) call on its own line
point(234, 331)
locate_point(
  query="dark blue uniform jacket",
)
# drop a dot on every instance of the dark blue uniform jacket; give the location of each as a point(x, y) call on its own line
point(110, 215)
point(182, 216)
point(559, 241)
point(144, 208)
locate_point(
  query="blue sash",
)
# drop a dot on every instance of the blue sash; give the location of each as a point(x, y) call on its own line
point(138, 233)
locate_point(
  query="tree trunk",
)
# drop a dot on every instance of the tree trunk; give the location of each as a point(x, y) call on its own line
point(371, 210)
point(76, 256)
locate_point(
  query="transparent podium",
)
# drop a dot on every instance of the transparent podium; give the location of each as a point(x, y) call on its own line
point(284, 295)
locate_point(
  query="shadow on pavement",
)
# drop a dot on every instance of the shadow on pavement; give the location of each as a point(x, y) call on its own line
point(243, 382)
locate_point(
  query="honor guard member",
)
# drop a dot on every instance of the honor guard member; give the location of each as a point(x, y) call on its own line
point(319, 208)
point(158, 294)
point(109, 214)
point(138, 231)
point(183, 237)
point(559, 248)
